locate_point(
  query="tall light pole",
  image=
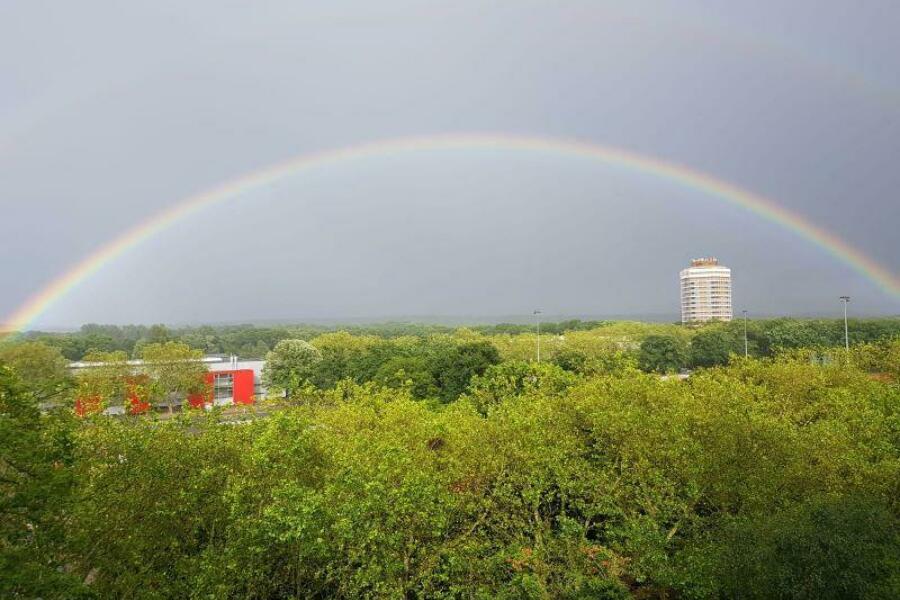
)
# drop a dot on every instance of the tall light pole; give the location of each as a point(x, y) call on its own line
point(846, 300)
point(746, 348)
point(537, 313)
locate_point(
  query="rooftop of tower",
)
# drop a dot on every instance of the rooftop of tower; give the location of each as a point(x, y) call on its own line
point(711, 261)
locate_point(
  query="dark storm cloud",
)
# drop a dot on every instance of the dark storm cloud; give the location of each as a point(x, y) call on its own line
point(111, 113)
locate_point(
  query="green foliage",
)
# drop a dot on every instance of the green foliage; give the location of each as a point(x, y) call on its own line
point(150, 499)
point(509, 380)
point(762, 479)
point(825, 548)
point(35, 483)
point(39, 366)
point(880, 358)
point(573, 361)
point(291, 366)
point(432, 367)
point(663, 354)
point(173, 369)
point(556, 328)
point(713, 347)
point(105, 384)
point(515, 341)
point(456, 368)
point(413, 372)
point(619, 362)
point(579, 477)
point(342, 355)
point(604, 362)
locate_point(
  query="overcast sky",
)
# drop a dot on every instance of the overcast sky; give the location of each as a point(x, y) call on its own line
point(113, 111)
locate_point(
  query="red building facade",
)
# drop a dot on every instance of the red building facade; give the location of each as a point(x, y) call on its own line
point(135, 401)
point(226, 387)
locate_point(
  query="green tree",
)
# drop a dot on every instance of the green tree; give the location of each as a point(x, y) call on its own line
point(455, 369)
point(290, 366)
point(409, 371)
point(35, 485)
point(102, 384)
point(151, 501)
point(882, 359)
point(615, 362)
point(835, 548)
point(662, 354)
point(342, 354)
point(40, 367)
point(509, 380)
point(174, 372)
point(712, 347)
point(571, 360)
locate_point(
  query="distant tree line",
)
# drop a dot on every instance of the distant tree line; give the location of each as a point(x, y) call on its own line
point(766, 336)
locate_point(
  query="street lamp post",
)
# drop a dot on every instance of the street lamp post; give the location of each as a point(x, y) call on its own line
point(846, 300)
point(537, 313)
point(746, 348)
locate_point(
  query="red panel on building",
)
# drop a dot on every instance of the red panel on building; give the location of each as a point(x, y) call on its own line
point(197, 400)
point(133, 390)
point(242, 388)
point(133, 401)
point(224, 387)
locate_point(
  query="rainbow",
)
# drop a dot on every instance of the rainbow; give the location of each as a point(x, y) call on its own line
point(22, 318)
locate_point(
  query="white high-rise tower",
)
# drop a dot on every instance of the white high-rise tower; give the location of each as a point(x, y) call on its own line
point(705, 292)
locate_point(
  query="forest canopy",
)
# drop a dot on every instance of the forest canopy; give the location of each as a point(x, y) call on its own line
point(454, 465)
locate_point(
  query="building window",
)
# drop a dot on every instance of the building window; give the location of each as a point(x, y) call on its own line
point(223, 387)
